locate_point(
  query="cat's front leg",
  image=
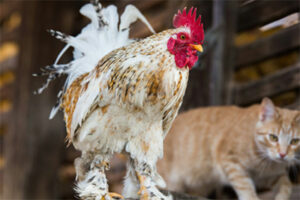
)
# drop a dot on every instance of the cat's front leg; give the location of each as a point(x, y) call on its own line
point(239, 179)
point(284, 188)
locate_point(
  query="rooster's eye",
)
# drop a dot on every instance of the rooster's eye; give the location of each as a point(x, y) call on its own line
point(182, 37)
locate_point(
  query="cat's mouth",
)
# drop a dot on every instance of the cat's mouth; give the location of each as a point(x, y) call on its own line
point(284, 159)
point(278, 158)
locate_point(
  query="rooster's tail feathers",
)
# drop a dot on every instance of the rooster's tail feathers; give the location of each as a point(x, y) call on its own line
point(130, 15)
point(96, 40)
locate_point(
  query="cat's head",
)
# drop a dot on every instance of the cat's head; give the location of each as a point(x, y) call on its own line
point(278, 132)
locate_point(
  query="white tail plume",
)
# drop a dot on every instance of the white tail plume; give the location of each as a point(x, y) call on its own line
point(96, 40)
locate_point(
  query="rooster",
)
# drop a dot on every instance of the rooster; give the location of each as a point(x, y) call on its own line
point(122, 95)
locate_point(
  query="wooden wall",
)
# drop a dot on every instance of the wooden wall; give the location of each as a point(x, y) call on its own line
point(279, 42)
point(240, 65)
point(33, 146)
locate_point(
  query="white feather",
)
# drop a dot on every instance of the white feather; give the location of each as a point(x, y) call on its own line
point(96, 40)
point(130, 15)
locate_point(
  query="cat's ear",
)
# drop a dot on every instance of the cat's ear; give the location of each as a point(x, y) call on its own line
point(267, 110)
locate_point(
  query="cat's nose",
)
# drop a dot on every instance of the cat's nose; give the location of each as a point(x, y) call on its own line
point(282, 155)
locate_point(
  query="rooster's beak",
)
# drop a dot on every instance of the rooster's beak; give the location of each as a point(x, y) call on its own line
point(198, 47)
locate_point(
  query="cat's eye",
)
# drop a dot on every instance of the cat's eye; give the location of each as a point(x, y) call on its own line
point(294, 141)
point(273, 138)
point(182, 37)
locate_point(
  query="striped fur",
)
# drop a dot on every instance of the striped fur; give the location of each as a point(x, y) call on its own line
point(210, 147)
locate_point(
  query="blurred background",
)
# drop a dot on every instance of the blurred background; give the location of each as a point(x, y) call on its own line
point(251, 51)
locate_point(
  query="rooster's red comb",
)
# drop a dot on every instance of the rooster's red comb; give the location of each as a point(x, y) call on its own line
point(189, 20)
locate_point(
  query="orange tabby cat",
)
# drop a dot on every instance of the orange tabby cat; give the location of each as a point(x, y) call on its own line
point(242, 147)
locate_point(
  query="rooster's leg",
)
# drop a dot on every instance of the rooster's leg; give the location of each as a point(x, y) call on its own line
point(148, 180)
point(92, 182)
point(142, 178)
point(143, 190)
point(136, 182)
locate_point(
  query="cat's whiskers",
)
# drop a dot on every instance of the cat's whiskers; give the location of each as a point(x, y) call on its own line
point(262, 160)
point(261, 155)
point(265, 162)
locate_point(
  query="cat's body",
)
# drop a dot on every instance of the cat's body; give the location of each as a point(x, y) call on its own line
point(215, 146)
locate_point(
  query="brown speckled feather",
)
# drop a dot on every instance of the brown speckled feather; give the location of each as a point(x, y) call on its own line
point(142, 75)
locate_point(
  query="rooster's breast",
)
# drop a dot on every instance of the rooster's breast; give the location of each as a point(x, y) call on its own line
point(109, 128)
point(135, 91)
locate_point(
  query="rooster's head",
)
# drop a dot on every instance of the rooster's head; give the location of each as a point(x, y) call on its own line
point(188, 40)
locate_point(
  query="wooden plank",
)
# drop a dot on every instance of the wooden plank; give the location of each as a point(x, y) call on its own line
point(282, 41)
point(258, 13)
point(221, 69)
point(281, 81)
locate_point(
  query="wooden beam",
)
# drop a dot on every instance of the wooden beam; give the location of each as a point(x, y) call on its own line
point(282, 41)
point(259, 13)
point(221, 69)
point(279, 82)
